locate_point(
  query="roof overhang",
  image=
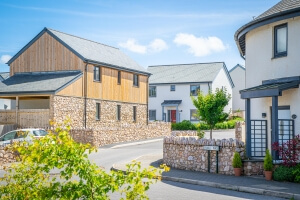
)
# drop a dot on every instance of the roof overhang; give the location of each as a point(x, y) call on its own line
point(171, 102)
point(270, 88)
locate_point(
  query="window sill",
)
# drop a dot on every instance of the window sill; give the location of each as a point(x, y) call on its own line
point(279, 56)
point(97, 81)
point(97, 119)
point(136, 86)
point(152, 96)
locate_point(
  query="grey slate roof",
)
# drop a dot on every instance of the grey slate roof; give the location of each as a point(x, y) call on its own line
point(4, 75)
point(186, 73)
point(91, 51)
point(171, 102)
point(38, 82)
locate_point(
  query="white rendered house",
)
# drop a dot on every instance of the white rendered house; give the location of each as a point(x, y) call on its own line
point(171, 88)
point(270, 45)
point(237, 74)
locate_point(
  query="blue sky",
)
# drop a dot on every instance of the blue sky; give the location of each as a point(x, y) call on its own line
point(151, 32)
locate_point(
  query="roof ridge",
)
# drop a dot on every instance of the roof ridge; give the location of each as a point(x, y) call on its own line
point(50, 29)
point(184, 64)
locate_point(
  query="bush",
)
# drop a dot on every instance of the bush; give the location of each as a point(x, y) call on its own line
point(296, 173)
point(283, 173)
point(200, 133)
point(268, 161)
point(237, 161)
point(202, 126)
point(184, 125)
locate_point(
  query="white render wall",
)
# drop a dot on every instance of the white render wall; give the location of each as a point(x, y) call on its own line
point(238, 78)
point(10, 104)
point(261, 66)
point(182, 92)
point(221, 80)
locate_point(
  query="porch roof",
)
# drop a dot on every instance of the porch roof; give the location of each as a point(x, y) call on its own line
point(171, 102)
point(38, 82)
point(270, 88)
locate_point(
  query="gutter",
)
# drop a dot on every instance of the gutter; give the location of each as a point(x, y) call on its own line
point(85, 94)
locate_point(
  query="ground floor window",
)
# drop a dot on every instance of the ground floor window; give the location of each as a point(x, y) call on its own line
point(193, 115)
point(97, 111)
point(134, 113)
point(118, 112)
point(152, 114)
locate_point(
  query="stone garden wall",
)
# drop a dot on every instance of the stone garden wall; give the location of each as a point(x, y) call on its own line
point(6, 157)
point(187, 153)
point(184, 133)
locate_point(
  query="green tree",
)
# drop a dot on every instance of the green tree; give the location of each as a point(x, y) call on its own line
point(210, 107)
point(57, 167)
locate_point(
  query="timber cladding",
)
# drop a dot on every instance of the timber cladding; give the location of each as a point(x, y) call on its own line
point(46, 54)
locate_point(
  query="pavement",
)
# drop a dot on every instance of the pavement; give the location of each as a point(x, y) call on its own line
point(248, 184)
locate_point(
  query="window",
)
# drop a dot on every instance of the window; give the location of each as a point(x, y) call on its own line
point(134, 113)
point(172, 87)
point(118, 112)
point(119, 77)
point(8, 136)
point(152, 114)
point(280, 40)
point(97, 111)
point(152, 91)
point(195, 89)
point(193, 113)
point(135, 80)
point(97, 75)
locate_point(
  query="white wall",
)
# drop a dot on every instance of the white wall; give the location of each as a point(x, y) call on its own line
point(238, 78)
point(182, 92)
point(221, 80)
point(261, 65)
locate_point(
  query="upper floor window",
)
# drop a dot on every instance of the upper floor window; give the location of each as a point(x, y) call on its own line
point(152, 114)
point(135, 80)
point(97, 74)
point(152, 91)
point(280, 40)
point(195, 89)
point(97, 111)
point(119, 77)
point(172, 87)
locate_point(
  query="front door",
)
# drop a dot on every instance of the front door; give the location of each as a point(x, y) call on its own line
point(173, 116)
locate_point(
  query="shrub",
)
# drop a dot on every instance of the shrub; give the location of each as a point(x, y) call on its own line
point(184, 125)
point(202, 126)
point(296, 173)
point(283, 173)
point(268, 161)
point(200, 133)
point(237, 161)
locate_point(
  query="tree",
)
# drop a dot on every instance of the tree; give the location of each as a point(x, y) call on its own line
point(210, 107)
point(57, 167)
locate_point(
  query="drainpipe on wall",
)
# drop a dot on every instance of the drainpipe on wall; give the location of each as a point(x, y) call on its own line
point(85, 94)
point(147, 100)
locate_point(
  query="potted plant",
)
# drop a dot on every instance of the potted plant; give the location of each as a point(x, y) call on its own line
point(268, 165)
point(237, 164)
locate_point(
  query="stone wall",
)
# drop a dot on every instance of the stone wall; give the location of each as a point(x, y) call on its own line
point(107, 129)
point(6, 157)
point(240, 132)
point(184, 133)
point(253, 167)
point(187, 153)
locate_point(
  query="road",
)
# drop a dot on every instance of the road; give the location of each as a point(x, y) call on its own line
point(109, 155)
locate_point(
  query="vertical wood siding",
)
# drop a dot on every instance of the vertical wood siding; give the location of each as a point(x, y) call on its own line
point(46, 54)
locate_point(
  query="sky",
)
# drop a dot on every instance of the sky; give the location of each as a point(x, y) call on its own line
point(152, 32)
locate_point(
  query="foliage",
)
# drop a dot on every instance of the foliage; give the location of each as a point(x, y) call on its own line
point(289, 151)
point(184, 125)
point(200, 133)
point(237, 161)
point(283, 173)
point(210, 107)
point(296, 173)
point(268, 161)
point(56, 167)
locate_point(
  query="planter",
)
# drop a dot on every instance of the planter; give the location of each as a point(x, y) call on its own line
point(237, 171)
point(268, 175)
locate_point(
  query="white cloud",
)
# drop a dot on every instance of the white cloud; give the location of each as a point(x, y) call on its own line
point(133, 46)
point(4, 59)
point(200, 46)
point(156, 45)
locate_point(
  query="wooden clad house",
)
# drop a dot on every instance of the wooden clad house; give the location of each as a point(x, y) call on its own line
point(57, 75)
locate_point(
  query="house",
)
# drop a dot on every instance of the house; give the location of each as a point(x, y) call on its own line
point(270, 44)
point(58, 75)
point(237, 74)
point(6, 103)
point(171, 88)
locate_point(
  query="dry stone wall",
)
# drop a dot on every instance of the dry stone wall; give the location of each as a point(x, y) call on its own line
point(6, 156)
point(184, 133)
point(188, 153)
point(107, 129)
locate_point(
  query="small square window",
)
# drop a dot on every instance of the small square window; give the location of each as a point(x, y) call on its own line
point(195, 89)
point(119, 77)
point(280, 40)
point(135, 80)
point(134, 113)
point(193, 115)
point(152, 91)
point(172, 87)
point(97, 74)
point(118, 112)
point(152, 115)
point(97, 111)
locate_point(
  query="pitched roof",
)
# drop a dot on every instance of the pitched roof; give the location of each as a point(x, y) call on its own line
point(285, 9)
point(4, 75)
point(90, 51)
point(186, 73)
point(235, 67)
point(38, 82)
